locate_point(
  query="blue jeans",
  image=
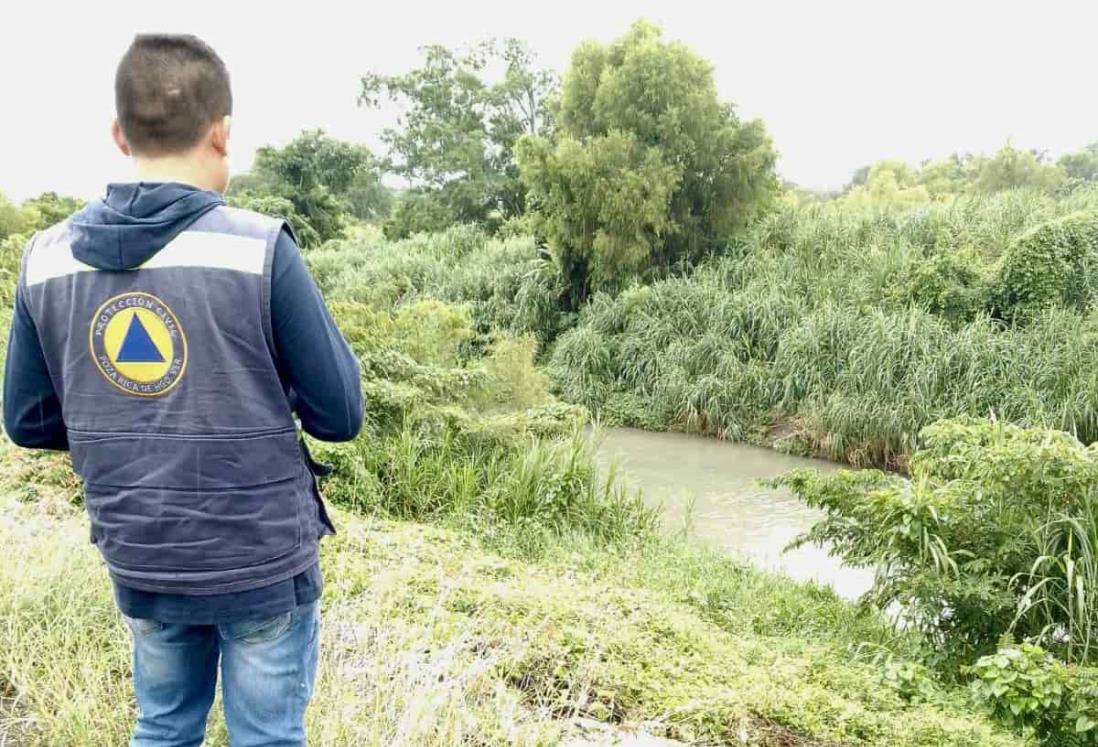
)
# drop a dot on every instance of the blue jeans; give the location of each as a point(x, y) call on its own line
point(267, 667)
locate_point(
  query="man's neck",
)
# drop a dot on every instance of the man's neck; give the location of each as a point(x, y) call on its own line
point(173, 169)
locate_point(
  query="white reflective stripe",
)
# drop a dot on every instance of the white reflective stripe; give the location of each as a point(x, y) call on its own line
point(220, 251)
point(52, 259)
point(205, 249)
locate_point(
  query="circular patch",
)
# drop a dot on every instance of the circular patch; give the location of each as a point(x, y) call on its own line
point(138, 345)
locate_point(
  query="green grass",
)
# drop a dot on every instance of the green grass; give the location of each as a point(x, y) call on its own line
point(489, 584)
point(830, 330)
point(847, 333)
point(429, 639)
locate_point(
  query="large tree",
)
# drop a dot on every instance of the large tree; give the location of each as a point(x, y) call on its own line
point(648, 167)
point(1013, 168)
point(314, 182)
point(1082, 165)
point(453, 143)
point(35, 213)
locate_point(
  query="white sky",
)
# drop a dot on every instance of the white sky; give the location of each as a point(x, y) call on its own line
point(839, 84)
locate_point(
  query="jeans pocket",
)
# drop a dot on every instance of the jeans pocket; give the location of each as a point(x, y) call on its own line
point(258, 631)
point(142, 626)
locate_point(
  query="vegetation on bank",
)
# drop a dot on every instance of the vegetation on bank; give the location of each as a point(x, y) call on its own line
point(431, 639)
point(990, 552)
point(844, 333)
point(624, 251)
point(536, 591)
point(464, 432)
point(987, 550)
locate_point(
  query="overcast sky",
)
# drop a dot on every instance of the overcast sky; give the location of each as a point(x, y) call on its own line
point(839, 84)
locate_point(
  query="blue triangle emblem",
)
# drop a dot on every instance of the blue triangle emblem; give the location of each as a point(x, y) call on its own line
point(137, 346)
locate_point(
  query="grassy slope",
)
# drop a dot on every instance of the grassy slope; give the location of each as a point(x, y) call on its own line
point(431, 640)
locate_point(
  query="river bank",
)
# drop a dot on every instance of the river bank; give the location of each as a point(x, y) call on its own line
point(432, 639)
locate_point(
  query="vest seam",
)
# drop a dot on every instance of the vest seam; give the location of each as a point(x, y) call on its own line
point(158, 570)
point(230, 489)
point(97, 436)
point(211, 589)
point(265, 293)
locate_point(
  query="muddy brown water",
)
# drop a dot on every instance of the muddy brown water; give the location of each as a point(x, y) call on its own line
point(711, 488)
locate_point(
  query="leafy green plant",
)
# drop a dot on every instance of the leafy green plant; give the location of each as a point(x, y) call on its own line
point(981, 543)
point(1027, 688)
point(1055, 263)
point(950, 285)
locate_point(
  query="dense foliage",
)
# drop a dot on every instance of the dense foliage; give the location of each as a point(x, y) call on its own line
point(896, 184)
point(507, 285)
point(846, 332)
point(454, 145)
point(317, 183)
point(647, 167)
point(993, 539)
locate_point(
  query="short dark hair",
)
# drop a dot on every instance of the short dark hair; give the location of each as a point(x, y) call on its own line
point(168, 90)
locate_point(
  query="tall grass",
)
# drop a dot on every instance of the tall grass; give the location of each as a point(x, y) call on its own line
point(430, 641)
point(507, 284)
point(847, 334)
point(469, 434)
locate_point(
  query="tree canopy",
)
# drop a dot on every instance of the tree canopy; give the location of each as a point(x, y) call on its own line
point(35, 213)
point(893, 183)
point(648, 166)
point(315, 182)
point(463, 112)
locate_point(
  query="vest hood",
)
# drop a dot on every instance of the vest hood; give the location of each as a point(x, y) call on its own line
point(135, 221)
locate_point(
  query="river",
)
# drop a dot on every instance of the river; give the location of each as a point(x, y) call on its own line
point(712, 488)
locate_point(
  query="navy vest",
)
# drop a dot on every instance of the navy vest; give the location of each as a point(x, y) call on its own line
point(178, 424)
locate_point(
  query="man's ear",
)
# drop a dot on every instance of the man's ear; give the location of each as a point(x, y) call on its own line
point(120, 138)
point(219, 135)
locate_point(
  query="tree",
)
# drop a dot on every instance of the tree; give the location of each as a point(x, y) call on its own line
point(1082, 165)
point(648, 168)
point(1011, 168)
point(12, 220)
point(47, 209)
point(321, 178)
point(888, 184)
point(948, 177)
point(605, 202)
point(454, 144)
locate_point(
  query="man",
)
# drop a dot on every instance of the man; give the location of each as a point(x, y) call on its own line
point(166, 341)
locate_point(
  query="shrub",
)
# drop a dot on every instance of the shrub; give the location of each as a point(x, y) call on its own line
point(965, 550)
point(950, 285)
point(1055, 263)
point(1027, 688)
point(507, 285)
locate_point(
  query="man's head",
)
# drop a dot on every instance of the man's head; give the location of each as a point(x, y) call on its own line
point(173, 103)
